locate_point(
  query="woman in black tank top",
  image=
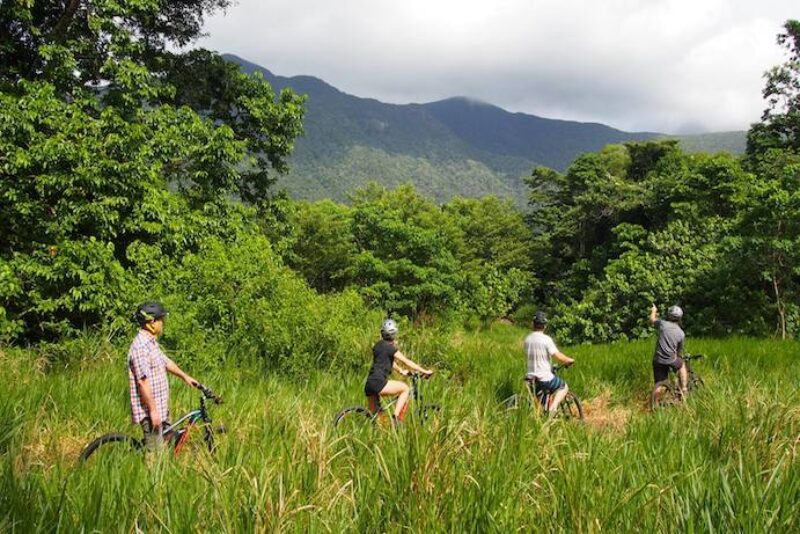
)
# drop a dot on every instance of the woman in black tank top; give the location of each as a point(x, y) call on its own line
point(385, 357)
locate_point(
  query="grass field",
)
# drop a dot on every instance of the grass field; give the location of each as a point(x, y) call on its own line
point(726, 461)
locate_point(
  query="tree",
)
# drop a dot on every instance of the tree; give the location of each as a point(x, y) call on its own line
point(771, 205)
point(94, 134)
point(493, 247)
point(405, 263)
point(779, 128)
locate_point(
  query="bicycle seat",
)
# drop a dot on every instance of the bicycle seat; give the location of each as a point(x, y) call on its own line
point(374, 403)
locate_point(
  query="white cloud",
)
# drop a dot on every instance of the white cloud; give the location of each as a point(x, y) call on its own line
point(662, 65)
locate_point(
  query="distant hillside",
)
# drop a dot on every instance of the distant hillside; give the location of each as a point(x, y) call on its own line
point(452, 147)
point(733, 142)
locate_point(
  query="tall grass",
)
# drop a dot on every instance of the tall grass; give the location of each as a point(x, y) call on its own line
point(726, 461)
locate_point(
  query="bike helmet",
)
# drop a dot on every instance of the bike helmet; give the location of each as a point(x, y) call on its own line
point(540, 318)
point(389, 329)
point(149, 311)
point(675, 313)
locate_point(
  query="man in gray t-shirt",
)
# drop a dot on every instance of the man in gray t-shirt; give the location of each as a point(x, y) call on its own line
point(669, 346)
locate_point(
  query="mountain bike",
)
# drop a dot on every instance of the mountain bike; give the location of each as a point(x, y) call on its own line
point(357, 416)
point(176, 435)
point(668, 392)
point(570, 407)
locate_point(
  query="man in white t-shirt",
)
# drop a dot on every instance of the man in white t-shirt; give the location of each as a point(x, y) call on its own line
point(540, 348)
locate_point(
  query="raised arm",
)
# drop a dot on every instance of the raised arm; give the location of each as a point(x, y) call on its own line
point(653, 314)
point(173, 368)
point(410, 364)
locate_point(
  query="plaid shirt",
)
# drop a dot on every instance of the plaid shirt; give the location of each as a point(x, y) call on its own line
point(146, 360)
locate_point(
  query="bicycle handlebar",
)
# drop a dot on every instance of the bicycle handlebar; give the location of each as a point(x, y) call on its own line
point(209, 394)
point(693, 356)
point(555, 368)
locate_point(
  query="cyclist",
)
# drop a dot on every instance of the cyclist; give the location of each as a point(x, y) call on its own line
point(385, 357)
point(147, 374)
point(540, 348)
point(669, 347)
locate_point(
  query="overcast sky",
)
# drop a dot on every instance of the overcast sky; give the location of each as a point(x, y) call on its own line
point(671, 66)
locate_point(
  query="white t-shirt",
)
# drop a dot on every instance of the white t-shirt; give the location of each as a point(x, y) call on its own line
point(539, 347)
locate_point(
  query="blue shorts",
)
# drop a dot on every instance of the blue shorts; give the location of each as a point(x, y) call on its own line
point(551, 386)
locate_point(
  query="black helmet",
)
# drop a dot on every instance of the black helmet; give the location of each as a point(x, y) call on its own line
point(540, 318)
point(149, 311)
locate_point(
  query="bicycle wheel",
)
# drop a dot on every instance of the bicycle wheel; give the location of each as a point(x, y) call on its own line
point(664, 395)
point(511, 403)
point(354, 417)
point(570, 408)
point(695, 383)
point(429, 412)
point(109, 442)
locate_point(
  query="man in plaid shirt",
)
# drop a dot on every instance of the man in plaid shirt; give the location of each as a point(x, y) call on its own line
point(147, 374)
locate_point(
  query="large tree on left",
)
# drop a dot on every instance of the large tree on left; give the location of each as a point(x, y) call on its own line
point(105, 145)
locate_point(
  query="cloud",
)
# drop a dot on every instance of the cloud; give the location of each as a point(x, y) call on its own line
point(659, 65)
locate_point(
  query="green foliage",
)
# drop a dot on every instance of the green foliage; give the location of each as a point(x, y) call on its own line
point(493, 247)
point(324, 250)
point(235, 301)
point(646, 223)
point(97, 126)
point(408, 256)
point(404, 263)
point(779, 128)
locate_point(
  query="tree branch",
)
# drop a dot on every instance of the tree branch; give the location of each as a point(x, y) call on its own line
point(66, 18)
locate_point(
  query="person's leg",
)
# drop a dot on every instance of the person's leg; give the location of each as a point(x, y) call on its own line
point(556, 397)
point(153, 440)
point(683, 378)
point(395, 387)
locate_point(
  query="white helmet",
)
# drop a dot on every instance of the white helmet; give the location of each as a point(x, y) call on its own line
point(389, 329)
point(675, 313)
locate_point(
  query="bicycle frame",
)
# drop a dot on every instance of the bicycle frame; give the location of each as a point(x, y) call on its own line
point(543, 397)
point(191, 419)
point(415, 398)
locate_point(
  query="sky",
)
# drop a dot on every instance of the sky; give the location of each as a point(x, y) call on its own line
point(671, 66)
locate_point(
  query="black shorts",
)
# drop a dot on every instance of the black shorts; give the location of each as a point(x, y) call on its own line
point(661, 370)
point(374, 385)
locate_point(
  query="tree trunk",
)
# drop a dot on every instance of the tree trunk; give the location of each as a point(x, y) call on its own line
point(780, 305)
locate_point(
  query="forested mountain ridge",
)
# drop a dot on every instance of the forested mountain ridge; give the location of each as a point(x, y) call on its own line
point(456, 146)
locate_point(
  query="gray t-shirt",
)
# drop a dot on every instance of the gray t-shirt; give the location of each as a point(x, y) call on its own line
point(670, 342)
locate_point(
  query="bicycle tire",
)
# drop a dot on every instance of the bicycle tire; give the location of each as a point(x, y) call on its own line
point(670, 396)
point(355, 414)
point(510, 403)
point(209, 437)
point(106, 439)
point(570, 408)
point(429, 412)
point(695, 383)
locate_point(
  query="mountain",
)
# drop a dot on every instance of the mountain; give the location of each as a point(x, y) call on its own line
point(456, 146)
point(733, 142)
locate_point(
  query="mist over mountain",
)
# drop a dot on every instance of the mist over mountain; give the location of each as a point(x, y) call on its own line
point(456, 146)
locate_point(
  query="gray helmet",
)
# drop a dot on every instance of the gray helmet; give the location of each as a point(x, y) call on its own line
point(675, 313)
point(389, 329)
point(540, 318)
